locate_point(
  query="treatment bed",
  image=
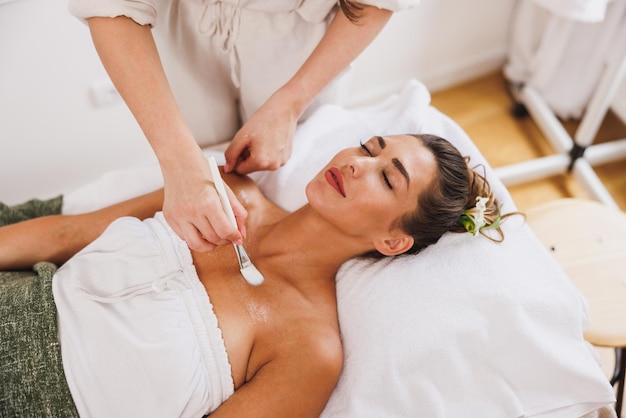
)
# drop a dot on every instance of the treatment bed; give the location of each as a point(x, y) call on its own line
point(467, 328)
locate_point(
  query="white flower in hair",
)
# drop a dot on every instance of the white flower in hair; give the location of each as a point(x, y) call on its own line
point(474, 219)
point(481, 207)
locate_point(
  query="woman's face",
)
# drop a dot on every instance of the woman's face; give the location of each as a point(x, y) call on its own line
point(364, 190)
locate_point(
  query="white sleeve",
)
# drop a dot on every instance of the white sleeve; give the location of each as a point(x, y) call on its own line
point(141, 11)
point(580, 10)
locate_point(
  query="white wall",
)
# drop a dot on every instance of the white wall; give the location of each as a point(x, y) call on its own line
point(54, 138)
point(440, 42)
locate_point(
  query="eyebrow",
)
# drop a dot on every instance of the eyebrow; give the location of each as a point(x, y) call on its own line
point(397, 163)
point(402, 170)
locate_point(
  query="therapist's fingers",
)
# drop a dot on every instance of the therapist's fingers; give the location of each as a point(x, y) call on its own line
point(238, 150)
point(212, 221)
point(222, 229)
point(261, 146)
point(202, 221)
point(194, 239)
point(196, 232)
point(252, 150)
point(204, 236)
point(258, 155)
point(261, 161)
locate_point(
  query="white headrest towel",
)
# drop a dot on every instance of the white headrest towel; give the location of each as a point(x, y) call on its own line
point(466, 328)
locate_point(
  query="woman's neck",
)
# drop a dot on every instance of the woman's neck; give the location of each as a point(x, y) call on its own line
point(300, 243)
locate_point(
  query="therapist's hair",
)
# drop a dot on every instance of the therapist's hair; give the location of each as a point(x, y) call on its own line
point(351, 9)
point(452, 193)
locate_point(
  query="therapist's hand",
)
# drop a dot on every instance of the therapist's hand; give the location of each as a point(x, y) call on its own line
point(264, 142)
point(193, 209)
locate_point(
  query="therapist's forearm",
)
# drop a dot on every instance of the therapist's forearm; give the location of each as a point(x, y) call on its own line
point(130, 57)
point(343, 42)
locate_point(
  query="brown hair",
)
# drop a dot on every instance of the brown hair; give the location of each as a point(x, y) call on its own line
point(451, 192)
point(351, 10)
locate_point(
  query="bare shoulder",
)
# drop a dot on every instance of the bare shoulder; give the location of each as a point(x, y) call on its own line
point(311, 326)
point(260, 209)
point(240, 183)
point(321, 342)
point(305, 367)
point(300, 364)
point(311, 349)
point(248, 192)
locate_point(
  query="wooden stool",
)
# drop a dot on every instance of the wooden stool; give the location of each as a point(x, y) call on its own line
point(588, 239)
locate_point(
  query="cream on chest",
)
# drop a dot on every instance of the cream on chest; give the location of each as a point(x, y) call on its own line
point(246, 314)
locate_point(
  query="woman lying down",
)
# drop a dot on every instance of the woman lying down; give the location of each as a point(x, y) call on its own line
point(148, 328)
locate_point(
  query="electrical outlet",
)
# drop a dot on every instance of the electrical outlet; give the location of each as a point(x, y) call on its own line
point(103, 93)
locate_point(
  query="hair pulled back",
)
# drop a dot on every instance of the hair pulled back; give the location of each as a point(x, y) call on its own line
point(453, 190)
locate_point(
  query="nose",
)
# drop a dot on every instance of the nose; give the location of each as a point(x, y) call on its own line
point(358, 165)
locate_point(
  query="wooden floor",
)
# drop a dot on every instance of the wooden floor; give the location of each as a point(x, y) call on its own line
point(483, 109)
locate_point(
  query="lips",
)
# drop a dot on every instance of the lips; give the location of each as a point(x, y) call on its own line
point(334, 178)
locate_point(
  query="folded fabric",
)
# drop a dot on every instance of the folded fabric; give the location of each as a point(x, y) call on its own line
point(31, 209)
point(468, 327)
point(31, 372)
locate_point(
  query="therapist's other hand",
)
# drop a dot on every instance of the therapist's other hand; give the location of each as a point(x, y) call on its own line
point(264, 142)
point(193, 209)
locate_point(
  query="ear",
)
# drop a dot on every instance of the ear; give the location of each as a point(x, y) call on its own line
point(394, 246)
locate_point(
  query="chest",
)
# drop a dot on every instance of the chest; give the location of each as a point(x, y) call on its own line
point(247, 315)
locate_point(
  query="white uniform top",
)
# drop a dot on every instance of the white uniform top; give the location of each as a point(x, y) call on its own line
point(138, 334)
point(225, 58)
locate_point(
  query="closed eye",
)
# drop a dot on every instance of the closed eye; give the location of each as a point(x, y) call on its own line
point(367, 151)
point(385, 178)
